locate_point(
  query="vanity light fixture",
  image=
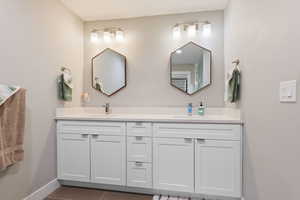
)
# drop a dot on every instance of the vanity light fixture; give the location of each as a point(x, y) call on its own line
point(206, 29)
point(192, 28)
point(119, 35)
point(94, 36)
point(109, 34)
point(176, 32)
point(107, 37)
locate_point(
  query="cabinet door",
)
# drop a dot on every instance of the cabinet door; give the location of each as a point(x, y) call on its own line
point(108, 160)
point(73, 157)
point(218, 167)
point(173, 164)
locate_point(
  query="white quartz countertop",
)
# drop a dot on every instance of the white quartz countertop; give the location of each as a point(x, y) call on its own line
point(227, 116)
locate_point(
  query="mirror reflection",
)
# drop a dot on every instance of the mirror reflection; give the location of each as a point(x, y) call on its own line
point(191, 68)
point(109, 72)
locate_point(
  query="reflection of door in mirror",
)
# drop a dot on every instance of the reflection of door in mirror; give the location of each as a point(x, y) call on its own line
point(193, 63)
point(109, 72)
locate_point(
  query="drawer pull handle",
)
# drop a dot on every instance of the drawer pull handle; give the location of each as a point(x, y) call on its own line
point(84, 135)
point(200, 140)
point(138, 164)
point(139, 123)
point(139, 137)
point(189, 140)
point(94, 135)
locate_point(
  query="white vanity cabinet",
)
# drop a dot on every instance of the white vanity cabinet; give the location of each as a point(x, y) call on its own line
point(92, 152)
point(188, 158)
point(200, 158)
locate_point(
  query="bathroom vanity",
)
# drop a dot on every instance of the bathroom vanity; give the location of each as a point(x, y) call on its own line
point(151, 153)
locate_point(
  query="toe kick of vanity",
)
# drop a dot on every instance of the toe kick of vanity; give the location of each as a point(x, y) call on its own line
point(192, 158)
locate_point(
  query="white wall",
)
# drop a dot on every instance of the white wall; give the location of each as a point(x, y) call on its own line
point(265, 35)
point(37, 38)
point(147, 47)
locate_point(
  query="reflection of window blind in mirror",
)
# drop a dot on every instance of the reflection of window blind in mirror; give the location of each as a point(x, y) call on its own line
point(180, 83)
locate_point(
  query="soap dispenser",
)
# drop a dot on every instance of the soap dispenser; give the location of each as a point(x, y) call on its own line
point(201, 109)
point(190, 109)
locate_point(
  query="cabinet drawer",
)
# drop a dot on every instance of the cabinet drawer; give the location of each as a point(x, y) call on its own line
point(139, 129)
point(139, 148)
point(202, 131)
point(101, 128)
point(139, 174)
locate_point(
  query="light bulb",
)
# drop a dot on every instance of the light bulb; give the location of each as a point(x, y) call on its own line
point(120, 36)
point(107, 37)
point(192, 30)
point(206, 30)
point(176, 32)
point(94, 37)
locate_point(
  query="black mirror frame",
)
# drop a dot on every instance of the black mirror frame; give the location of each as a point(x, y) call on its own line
point(125, 68)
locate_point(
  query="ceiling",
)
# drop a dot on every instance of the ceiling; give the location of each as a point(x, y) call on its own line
point(91, 10)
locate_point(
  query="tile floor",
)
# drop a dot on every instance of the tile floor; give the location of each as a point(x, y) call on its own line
point(75, 193)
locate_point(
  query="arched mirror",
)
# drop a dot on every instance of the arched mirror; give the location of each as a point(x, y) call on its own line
point(109, 72)
point(190, 68)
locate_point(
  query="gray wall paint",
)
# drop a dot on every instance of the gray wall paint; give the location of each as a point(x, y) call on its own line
point(37, 38)
point(147, 47)
point(265, 35)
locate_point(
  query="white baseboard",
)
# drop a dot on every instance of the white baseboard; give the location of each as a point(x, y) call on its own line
point(44, 191)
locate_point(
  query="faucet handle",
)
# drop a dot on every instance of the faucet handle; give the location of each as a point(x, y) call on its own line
point(105, 105)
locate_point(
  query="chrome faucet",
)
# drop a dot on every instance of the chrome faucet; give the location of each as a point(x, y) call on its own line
point(107, 109)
